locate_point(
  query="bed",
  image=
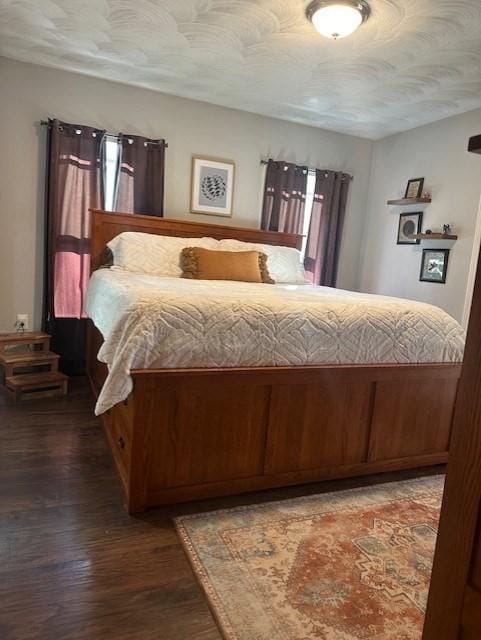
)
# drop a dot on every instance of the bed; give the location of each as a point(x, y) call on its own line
point(316, 383)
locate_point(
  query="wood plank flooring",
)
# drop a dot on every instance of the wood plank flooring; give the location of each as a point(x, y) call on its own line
point(73, 564)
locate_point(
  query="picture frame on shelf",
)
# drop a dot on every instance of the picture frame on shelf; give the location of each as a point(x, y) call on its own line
point(414, 188)
point(212, 186)
point(410, 223)
point(434, 265)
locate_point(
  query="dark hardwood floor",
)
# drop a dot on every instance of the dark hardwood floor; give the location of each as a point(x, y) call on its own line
point(73, 564)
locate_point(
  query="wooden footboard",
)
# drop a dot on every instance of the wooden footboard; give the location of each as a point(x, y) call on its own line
point(190, 434)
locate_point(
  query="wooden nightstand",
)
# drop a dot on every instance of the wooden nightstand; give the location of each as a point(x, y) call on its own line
point(30, 369)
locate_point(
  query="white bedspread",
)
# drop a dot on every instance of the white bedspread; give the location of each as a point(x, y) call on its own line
point(152, 322)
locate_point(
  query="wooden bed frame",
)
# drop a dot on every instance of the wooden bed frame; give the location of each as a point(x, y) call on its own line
point(187, 434)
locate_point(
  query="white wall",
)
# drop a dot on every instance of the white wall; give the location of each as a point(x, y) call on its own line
point(370, 259)
point(453, 176)
point(30, 93)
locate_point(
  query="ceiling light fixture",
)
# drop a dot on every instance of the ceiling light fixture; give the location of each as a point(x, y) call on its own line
point(337, 18)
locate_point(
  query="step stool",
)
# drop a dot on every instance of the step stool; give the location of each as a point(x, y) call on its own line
point(21, 375)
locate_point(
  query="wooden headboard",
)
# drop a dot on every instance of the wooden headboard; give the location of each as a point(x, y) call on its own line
point(106, 225)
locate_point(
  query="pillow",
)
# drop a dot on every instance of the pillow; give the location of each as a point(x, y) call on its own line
point(244, 266)
point(152, 254)
point(284, 263)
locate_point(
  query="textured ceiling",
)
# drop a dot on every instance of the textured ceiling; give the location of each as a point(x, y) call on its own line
point(413, 62)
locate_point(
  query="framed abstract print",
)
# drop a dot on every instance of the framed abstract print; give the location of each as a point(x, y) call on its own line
point(409, 225)
point(212, 189)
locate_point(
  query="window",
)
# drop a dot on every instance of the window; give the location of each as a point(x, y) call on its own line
point(311, 186)
point(112, 151)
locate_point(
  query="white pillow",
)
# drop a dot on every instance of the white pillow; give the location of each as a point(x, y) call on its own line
point(284, 263)
point(152, 254)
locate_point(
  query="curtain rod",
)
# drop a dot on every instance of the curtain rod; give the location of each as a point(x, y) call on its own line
point(46, 123)
point(308, 168)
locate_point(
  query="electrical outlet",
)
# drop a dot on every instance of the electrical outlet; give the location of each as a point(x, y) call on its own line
point(22, 321)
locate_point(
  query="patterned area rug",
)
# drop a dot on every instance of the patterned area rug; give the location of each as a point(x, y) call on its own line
point(350, 565)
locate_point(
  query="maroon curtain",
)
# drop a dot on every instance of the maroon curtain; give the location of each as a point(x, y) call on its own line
point(73, 186)
point(284, 197)
point(141, 176)
point(325, 228)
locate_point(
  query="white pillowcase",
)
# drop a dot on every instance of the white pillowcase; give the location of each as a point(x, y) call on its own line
point(152, 254)
point(160, 255)
point(284, 263)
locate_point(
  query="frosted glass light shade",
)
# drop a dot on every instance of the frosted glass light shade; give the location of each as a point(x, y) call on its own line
point(337, 19)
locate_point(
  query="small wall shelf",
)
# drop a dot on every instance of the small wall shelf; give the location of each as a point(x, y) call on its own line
point(433, 236)
point(406, 201)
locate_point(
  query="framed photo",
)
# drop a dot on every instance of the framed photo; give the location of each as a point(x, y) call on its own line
point(414, 188)
point(409, 224)
point(434, 265)
point(212, 188)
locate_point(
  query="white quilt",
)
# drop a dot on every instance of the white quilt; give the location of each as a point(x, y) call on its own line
point(154, 322)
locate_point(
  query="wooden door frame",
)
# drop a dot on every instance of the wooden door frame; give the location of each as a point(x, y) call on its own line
point(450, 596)
point(473, 265)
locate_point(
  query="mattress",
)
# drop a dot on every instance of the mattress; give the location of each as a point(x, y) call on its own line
point(157, 322)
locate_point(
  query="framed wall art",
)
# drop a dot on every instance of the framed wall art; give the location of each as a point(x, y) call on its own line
point(414, 188)
point(434, 265)
point(409, 224)
point(212, 189)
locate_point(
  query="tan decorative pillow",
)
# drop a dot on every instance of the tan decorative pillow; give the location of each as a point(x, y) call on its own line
point(206, 264)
